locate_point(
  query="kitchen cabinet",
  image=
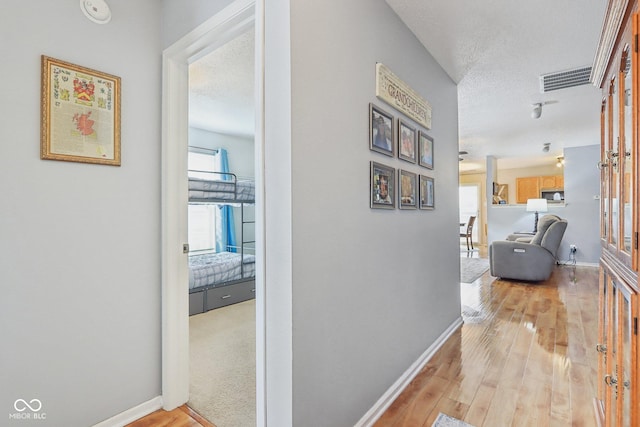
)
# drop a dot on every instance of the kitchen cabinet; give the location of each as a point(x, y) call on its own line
point(530, 187)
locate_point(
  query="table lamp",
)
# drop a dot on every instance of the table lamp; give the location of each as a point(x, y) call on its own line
point(536, 205)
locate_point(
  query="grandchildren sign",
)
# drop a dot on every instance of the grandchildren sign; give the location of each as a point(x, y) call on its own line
point(398, 94)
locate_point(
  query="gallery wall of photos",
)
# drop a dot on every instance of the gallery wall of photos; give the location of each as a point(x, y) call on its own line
point(407, 187)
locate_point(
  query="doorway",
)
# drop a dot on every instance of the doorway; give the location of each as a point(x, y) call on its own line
point(222, 341)
point(236, 19)
point(469, 202)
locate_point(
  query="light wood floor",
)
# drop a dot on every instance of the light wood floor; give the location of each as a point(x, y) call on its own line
point(524, 357)
point(182, 416)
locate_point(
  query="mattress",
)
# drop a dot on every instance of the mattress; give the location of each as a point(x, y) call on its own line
point(218, 268)
point(213, 190)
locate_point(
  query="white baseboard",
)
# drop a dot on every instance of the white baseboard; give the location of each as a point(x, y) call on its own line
point(580, 264)
point(135, 413)
point(401, 383)
point(587, 264)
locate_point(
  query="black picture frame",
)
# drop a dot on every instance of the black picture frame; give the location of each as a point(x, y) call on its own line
point(382, 186)
point(425, 151)
point(407, 189)
point(427, 192)
point(407, 137)
point(381, 121)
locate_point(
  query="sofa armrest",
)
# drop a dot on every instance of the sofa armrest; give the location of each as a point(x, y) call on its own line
point(521, 261)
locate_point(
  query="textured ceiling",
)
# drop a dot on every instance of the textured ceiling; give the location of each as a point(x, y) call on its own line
point(221, 88)
point(496, 50)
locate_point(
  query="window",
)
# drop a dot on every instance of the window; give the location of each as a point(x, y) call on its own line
point(202, 219)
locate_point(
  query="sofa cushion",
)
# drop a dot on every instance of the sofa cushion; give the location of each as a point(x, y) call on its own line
point(543, 224)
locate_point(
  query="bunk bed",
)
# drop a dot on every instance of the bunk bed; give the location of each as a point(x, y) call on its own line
point(218, 279)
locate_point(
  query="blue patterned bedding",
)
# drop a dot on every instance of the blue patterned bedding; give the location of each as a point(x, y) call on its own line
point(218, 268)
point(203, 190)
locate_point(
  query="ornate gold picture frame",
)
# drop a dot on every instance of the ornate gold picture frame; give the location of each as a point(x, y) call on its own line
point(80, 117)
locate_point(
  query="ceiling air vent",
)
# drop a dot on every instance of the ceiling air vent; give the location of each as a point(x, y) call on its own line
point(564, 79)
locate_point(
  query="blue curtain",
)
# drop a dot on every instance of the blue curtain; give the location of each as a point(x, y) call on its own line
point(225, 226)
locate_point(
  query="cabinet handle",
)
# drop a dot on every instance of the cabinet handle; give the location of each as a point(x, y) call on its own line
point(610, 381)
point(225, 296)
point(601, 348)
point(602, 165)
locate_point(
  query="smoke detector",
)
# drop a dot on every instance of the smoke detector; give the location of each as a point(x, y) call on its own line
point(96, 10)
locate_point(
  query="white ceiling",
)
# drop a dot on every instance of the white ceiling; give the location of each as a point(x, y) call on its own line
point(221, 88)
point(494, 49)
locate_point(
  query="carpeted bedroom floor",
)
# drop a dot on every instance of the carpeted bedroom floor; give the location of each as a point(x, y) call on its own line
point(222, 365)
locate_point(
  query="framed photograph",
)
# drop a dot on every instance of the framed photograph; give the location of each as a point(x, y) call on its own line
point(408, 189)
point(406, 142)
point(381, 131)
point(427, 195)
point(382, 186)
point(80, 117)
point(425, 151)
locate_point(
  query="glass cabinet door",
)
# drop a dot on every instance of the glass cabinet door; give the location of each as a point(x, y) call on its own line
point(613, 161)
point(616, 359)
point(604, 170)
point(611, 378)
point(625, 150)
point(625, 356)
point(603, 329)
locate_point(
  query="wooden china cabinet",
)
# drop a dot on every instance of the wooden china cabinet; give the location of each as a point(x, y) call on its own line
point(616, 71)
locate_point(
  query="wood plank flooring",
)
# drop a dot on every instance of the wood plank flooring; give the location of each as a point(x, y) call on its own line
point(182, 416)
point(524, 357)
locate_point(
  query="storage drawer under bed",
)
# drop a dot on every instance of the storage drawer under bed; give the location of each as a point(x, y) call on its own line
point(231, 294)
point(213, 298)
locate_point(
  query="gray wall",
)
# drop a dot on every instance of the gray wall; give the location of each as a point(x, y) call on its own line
point(372, 289)
point(80, 244)
point(581, 183)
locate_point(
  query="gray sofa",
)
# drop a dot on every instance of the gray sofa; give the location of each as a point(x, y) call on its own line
point(532, 260)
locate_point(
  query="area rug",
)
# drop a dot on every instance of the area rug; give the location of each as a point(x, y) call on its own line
point(444, 420)
point(223, 365)
point(472, 268)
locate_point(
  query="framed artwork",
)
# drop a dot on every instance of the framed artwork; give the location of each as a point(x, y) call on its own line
point(406, 142)
point(427, 195)
point(408, 189)
point(382, 185)
point(381, 131)
point(425, 151)
point(80, 117)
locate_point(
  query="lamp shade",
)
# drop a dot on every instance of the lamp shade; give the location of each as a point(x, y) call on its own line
point(536, 205)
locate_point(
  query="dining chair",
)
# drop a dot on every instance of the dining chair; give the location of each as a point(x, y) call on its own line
point(469, 230)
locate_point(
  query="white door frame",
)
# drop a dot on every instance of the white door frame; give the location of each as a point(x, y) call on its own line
point(235, 19)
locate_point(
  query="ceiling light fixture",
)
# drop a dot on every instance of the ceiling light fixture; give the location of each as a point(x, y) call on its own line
point(537, 108)
point(560, 162)
point(537, 111)
point(545, 147)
